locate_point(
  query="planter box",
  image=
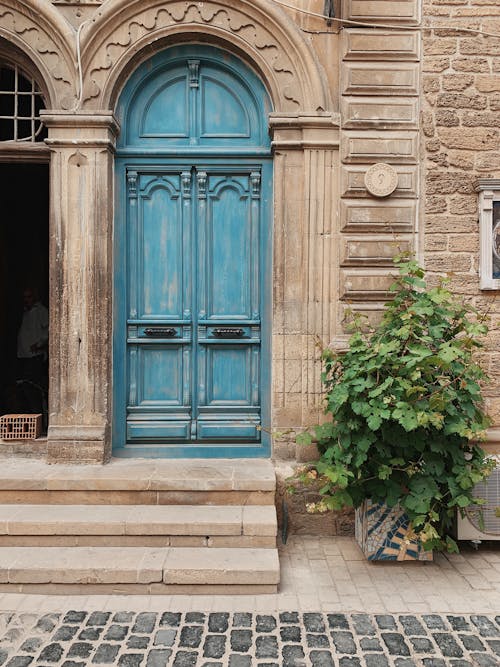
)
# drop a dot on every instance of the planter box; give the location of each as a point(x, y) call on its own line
point(382, 534)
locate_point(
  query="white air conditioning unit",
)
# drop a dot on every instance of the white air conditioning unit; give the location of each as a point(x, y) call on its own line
point(481, 522)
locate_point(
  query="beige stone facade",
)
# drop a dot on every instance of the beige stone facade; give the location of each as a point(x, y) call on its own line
point(389, 85)
point(460, 144)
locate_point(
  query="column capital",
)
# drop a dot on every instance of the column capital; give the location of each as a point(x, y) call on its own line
point(83, 128)
point(301, 131)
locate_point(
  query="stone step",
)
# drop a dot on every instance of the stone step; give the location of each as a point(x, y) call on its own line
point(138, 570)
point(181, 525)
point(140, 482)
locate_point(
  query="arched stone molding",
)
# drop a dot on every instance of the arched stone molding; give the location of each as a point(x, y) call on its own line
point(257, 29)
point(47, 40)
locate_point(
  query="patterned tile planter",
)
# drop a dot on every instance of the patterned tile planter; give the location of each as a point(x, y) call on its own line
point(382, 534)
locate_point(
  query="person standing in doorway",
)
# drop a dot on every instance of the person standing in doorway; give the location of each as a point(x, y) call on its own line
point(32, 338)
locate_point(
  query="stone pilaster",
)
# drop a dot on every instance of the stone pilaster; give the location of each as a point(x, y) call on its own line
point(305, 263)
point(380, 118)
point(81, 214)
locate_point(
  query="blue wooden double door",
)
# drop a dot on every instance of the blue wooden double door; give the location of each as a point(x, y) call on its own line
point(192, 290)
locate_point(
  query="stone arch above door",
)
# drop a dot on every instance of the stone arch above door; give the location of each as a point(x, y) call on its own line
point(123, 32)
point(39, 31)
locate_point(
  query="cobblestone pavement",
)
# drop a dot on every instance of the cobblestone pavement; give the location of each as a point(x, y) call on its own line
point(333, 608)
point(244, 639)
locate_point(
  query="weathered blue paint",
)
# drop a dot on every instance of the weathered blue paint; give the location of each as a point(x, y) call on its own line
point(193, 259)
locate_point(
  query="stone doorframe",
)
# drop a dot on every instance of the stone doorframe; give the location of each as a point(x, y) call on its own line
point(82, 132)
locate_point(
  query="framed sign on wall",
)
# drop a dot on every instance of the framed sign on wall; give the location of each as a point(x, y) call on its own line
point(489, 232)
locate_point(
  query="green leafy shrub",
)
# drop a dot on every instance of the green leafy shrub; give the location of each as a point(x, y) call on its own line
point(406, 410)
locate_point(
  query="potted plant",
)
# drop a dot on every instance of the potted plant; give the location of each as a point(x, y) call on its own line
point(406, 413)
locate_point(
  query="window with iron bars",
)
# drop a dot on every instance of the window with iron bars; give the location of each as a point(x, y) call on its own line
point(20, 103)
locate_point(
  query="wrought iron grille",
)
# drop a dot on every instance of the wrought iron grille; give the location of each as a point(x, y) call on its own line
point(20, 103)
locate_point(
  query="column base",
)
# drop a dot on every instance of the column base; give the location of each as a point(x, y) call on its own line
point(78, 444)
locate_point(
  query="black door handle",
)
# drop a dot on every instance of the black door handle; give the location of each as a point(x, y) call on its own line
point(167, 332)
point(228, 332)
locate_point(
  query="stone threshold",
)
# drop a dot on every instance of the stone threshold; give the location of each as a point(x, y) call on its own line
point(140, 475)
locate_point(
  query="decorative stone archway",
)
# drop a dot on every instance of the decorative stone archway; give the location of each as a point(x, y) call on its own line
point(304, 131)
point(256, 29)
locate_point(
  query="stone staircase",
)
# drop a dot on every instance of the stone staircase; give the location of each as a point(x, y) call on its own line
point(137, 526)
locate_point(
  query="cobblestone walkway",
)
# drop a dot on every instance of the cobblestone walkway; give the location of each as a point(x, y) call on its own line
point(243, 639)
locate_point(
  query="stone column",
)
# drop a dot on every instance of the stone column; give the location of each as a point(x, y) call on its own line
point(80, 346)
point(305, 266)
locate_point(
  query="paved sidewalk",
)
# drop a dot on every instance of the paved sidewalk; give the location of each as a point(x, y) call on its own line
point(333, 608)
point(242, 639)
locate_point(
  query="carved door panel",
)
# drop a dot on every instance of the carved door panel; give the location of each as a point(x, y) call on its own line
point(194, 305)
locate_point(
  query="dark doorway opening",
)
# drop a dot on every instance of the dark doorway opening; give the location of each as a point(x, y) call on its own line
point(24, 288)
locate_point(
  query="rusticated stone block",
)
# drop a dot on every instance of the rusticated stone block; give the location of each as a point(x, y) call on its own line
point(470, 64)
point(464, 243)
point(457, 82)
point(435, 204)
point(449, 224)
point(439, 159)
point(431, 84)
point(462, 101)
point(447, 118)
point(436, 242)
point(488, 161)
point(479, 46)
point(487, 84)
point(445, 182)
point(440, 46)
point(435, 64)
point(454, 262)
point(457, 32)
point(433, 145)
point(481, 119)
point(463, 205)
point(473, 139)
point(427, 123)
point(461, 159)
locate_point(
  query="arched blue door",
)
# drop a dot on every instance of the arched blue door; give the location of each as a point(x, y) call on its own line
point(193, 242)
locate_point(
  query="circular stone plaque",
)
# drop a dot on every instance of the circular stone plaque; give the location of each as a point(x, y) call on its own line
point(381, 179)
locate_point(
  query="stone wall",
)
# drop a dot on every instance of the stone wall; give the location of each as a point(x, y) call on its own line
point(461, 143)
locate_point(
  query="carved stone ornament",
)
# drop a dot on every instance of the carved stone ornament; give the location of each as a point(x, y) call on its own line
point(47, 40)
point(381, 179)
point(122, 29)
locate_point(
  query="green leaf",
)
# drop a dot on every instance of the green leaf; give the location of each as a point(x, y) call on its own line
point(406, 416)
point(462, 501)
